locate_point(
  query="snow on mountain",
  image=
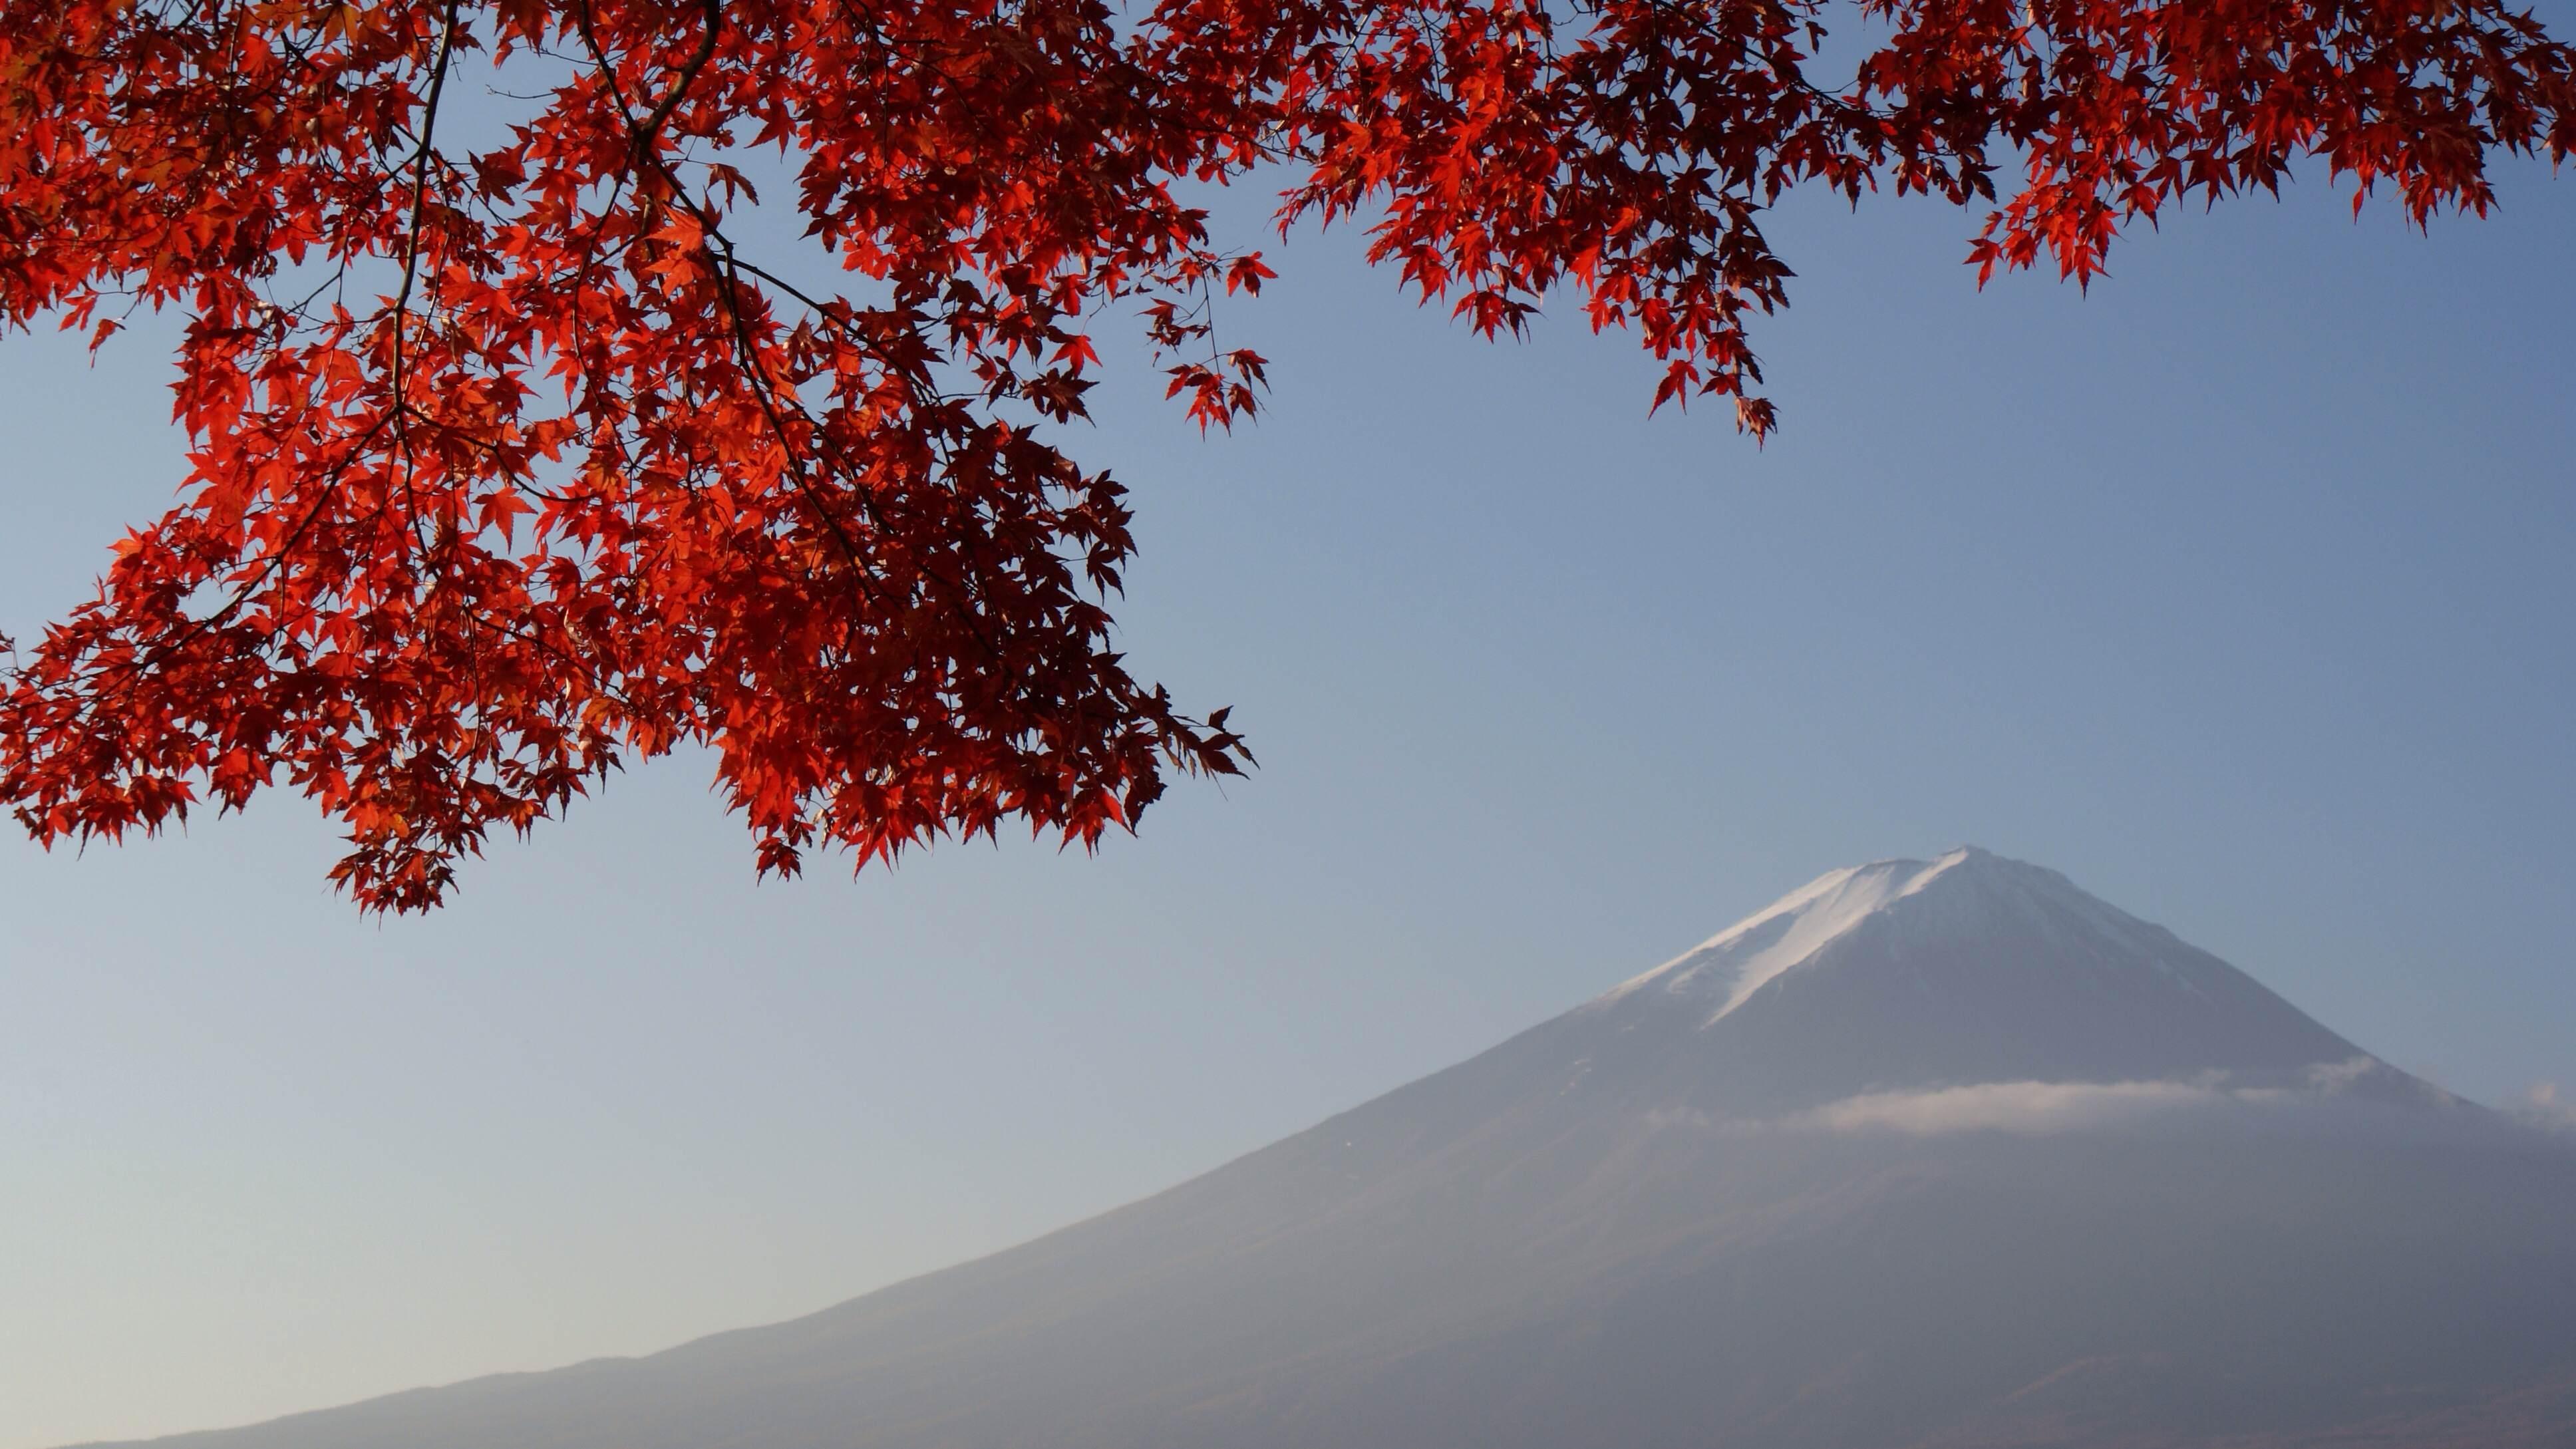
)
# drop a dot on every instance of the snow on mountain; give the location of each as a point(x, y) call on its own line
point(1744, 957)
point(1936, 1154)
point(1968, 968)
point(1970, 893)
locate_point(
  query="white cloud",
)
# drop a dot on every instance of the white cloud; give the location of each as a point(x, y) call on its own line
point(2331, 1077)
point(2544, 1105)
point(2034, 1108)
point(2022, 1107)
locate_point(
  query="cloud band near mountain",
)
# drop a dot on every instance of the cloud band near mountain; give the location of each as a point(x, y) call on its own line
point(2034, 1108)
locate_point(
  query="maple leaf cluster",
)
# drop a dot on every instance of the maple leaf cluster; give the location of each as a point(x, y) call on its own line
point(511, 459)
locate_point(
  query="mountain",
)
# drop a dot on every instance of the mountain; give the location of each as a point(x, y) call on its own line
point(1966, 969)
point(1929, 1153)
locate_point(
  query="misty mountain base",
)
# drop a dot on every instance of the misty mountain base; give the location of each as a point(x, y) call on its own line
point(1941, 1153)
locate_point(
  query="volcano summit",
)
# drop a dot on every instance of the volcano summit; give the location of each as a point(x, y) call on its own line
point(1928, 1153)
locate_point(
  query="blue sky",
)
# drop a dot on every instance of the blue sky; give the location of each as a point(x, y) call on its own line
point(2237, 589)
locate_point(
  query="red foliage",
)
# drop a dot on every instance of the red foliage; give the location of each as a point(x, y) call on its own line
point(509, 461)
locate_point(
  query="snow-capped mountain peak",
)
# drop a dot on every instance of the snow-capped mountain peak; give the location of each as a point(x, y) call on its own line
point(1738, 961)
point(1965, 968)
point(1928, 1153)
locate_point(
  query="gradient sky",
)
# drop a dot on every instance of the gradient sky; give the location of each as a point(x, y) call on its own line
point(2239, 590)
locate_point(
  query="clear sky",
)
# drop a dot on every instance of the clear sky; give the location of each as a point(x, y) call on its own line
point(2239, 590)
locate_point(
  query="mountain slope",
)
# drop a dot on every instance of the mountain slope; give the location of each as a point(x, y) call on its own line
point(1939, 1153)
point(1969, 968)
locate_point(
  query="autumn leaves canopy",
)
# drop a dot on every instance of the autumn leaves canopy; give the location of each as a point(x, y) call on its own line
point(513, 456)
